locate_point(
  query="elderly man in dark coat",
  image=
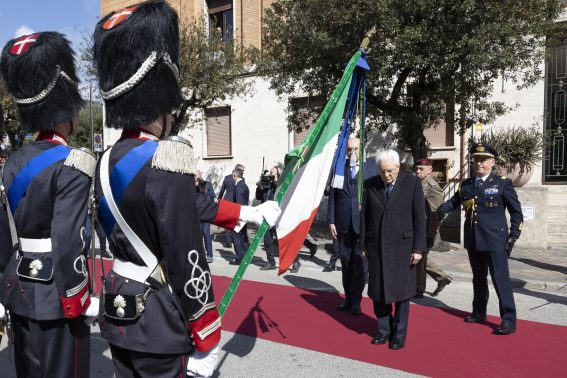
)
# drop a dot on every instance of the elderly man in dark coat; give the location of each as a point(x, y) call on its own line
point(393, 240)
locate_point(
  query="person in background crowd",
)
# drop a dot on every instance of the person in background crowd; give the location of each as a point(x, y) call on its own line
point(205, 188)
point(227, 192)
point(433, 199)
point(241, 196)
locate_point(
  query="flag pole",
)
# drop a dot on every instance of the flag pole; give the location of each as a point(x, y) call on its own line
point(289, 172)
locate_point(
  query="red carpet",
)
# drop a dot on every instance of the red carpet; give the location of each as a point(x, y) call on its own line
point(439, 343)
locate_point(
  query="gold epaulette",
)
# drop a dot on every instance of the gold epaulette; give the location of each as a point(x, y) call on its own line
point(82, 159)
point(174, 154)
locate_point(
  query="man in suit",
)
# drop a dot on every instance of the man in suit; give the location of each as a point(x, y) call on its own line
point(227, 192)
point(205, 188)
point(433, 199)
point(393, 240)
point(241, 196)
point(485, 199)
point(343, 216)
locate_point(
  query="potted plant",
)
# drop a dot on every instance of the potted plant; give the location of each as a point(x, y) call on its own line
point(519, 148)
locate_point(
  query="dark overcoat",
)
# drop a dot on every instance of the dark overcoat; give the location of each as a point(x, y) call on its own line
point(391, 229)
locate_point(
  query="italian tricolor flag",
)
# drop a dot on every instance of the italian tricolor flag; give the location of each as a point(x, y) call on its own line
point(307, 169)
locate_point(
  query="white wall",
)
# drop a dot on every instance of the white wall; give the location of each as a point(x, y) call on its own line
point(259, 129)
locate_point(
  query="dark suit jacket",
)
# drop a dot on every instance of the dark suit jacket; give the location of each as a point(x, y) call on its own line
point(227, 189)
point(242, 193)
point(486, 226)
point(342, 210)
point(391, 229)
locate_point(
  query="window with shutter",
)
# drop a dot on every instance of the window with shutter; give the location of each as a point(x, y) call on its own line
point(306, 110)
point(218, 132)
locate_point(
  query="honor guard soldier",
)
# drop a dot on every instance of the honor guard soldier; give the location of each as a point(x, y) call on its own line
point(485, 199)
point(46, 187)
point(158, 311)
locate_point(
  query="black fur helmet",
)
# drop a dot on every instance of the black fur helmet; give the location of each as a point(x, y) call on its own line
point(39, 71)
point(136, 53)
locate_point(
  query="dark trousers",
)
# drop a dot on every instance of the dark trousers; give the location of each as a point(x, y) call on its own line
point(240, 242)
point(335, 254)
point(392, 325)
point(51, 348)
point(354, 268)
point(130, 364)
point(497, 263)
point(207, 240)
point(426, 266)
point(270, 246)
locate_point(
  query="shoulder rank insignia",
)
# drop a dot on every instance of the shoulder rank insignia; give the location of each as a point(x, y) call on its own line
point(83, 160)
point(174, 154)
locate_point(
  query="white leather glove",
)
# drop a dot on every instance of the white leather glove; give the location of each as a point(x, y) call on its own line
point(2, 311)
point(269, 211)
point(92, 311)
point(203, 364)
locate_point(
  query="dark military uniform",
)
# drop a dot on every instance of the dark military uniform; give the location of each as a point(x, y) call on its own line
point(51, 337)
point(485, 234)
point(179, 313)
point(47, 183)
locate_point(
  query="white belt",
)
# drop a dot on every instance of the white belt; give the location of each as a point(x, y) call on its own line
point(36, 245)
point(130, 270)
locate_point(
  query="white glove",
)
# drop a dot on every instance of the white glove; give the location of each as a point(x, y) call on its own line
point(203, 364)
point(2, 311)
point(269, 211)
point(92, 311)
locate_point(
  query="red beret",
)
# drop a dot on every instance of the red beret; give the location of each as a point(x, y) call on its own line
point(424, 161)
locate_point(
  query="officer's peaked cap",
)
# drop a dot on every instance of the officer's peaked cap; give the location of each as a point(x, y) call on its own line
point(483, 150)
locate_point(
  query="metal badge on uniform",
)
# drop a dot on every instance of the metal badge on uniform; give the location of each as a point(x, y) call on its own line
point(40, 269)
point(491, 191)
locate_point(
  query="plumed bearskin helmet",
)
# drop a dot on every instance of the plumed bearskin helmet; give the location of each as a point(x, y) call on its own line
point(39, 71)
point(136, 53)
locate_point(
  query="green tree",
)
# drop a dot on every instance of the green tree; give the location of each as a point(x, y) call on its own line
point(430, 59)
point(82, 134)
point(211, 69)
point(10, 124)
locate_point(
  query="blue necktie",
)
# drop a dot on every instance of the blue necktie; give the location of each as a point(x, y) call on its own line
point(388, 190)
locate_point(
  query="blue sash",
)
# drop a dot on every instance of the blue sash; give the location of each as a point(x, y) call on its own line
point(34, 167)
point(122, 174)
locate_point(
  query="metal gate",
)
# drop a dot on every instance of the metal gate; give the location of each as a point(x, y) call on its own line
point(555, 156)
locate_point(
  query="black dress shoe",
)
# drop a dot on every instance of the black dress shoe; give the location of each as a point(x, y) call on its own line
point(396, 344)
point(355, 309)
point(418, 295)
point(235, 262)
point(441, 285)
point(475, 318)
point(505, 328)
point(328, 268)
point(378, 340)
point(345, 306)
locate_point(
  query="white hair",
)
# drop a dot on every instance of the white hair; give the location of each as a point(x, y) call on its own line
point(388, 155)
